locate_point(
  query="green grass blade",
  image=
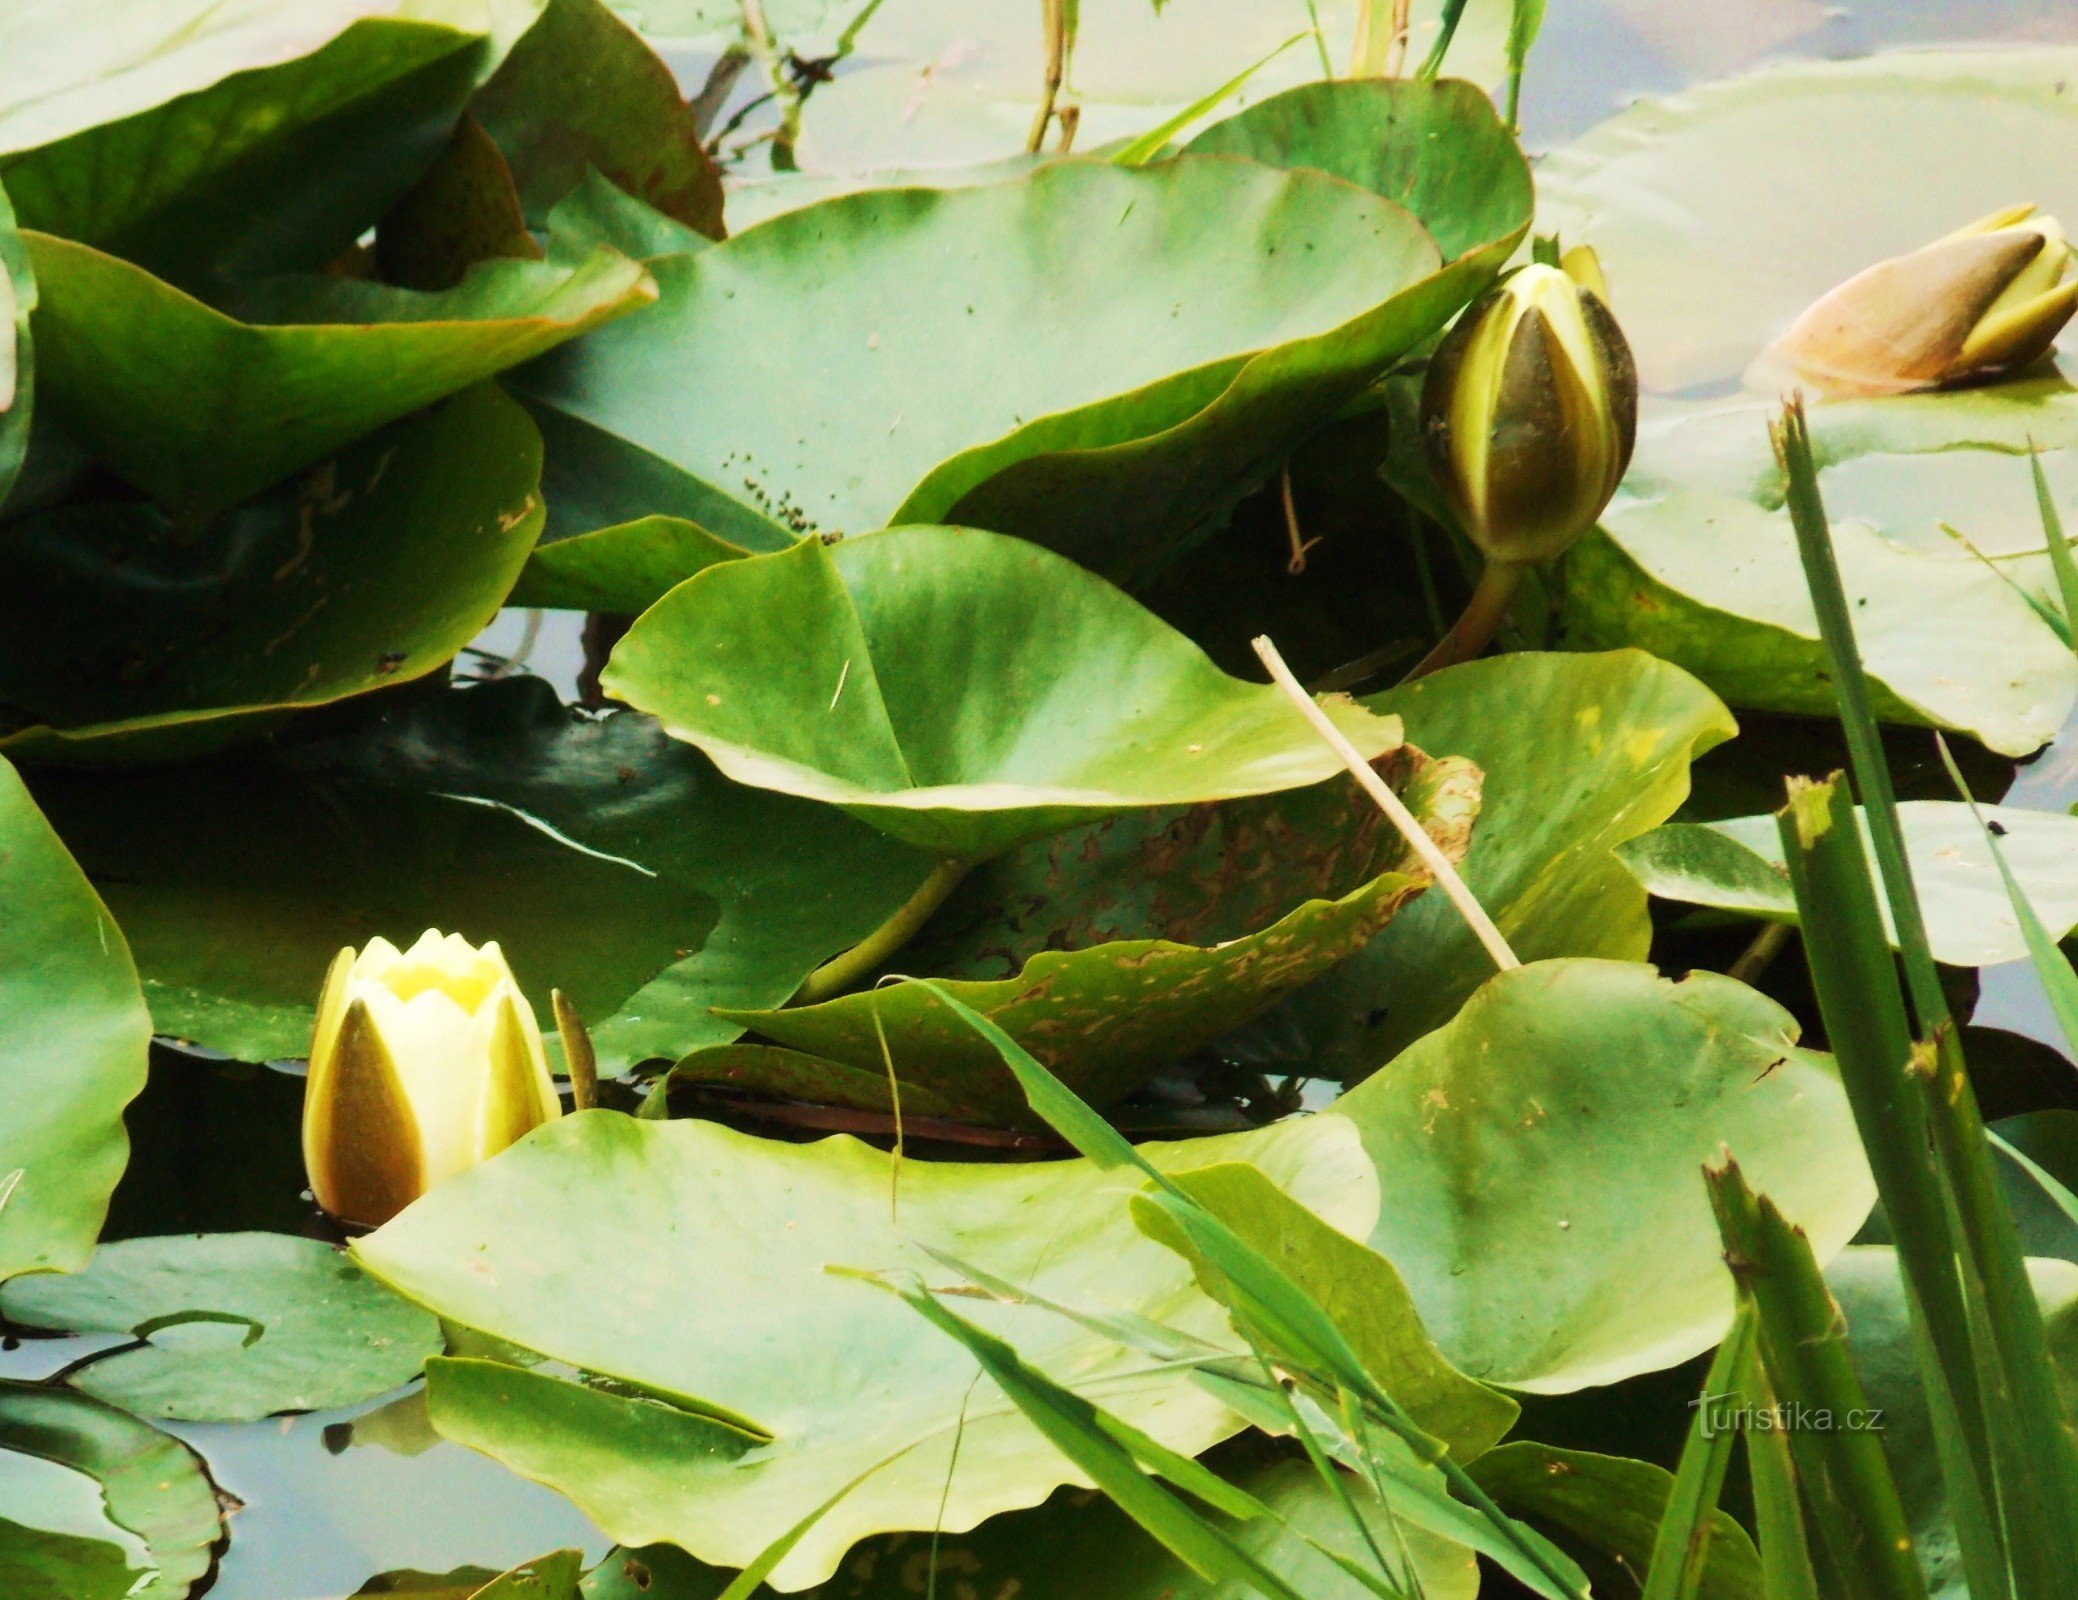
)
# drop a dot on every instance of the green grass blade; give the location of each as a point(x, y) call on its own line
point(1682, 1547)
point(1778, 1517)
point(1803, 1345)
point(1453, 14)
point(1524, 23)
point(1150, 144)
point(2061, 561)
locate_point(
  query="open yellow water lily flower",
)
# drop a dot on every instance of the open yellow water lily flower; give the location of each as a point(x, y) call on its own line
point(423, 1063)
point(1986, 299)
point(1530, 409)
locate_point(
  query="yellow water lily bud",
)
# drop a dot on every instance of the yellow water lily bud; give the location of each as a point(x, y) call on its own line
point(423, 1062)
point(1986, 299)
point(1530, 410)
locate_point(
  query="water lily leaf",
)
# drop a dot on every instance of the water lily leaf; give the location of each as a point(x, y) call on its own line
point(1048, 356)
point(1710, 255)
point(725, 1239)
point(1520, 1144)
point(549, 1577)
point(127, 636)
point(582, 92)
point(496, 811)
point(1606, 1511)
point(1579, 753)
point(38, 1563)
point(195, 139)
point(1108, 1017)
point(236, 1326)
point(154, 1487)
point(1076, 702)
point(1736, 865)
point(202, 410)
point(626, 567)
point(463, 210)
point(1697, 562)
point(73, 1042)
point(1866, 1282)
point(17, 347)
point(1433, 146)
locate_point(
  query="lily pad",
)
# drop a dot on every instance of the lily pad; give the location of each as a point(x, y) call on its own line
point(1520, 1145)
point(38, 1563)
point(234, 1326)
point(582, 92)
point(1697, 562)
point(1710, 253)
point(201, 410)
point(1108, 1017)
point(626, 567)
point(1433, 146)
point(17, 348)
point(245, 140)
point(126, 636)
point(1579, 753)
point(1074, 703)
point(153, 1485)
point(1098, 358)
point(725, 1240)
point(73, 1041)
point(606, 859)
point(1737, 865)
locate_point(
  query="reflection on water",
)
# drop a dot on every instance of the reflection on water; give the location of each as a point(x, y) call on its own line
point(939, 81)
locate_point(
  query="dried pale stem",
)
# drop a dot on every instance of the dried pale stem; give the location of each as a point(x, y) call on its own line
point(1056, 24)
point(1393, 806)
point(580, 1060)
point(1299, 544)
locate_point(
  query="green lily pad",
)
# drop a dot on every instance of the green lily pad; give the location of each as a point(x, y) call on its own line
point(1054, 356)
point(608, 861)
point(201, 409)
point(126, 636)
point(1520, 1145)
point(38, 1563)
point(1108, 1017)
point(1710, 254)
point(73, 1041)
point(235, 1326)
point(1869, 1287)
point(1606, 1512)
point(246, 141)
point(1075, 702)
point(626, 567)
point(1697, 562)
point(725, 1239)
point(1579, 753)
point(582, 92)
point(17, 347)
point(1736, 865)
point(153, 1486)
point(1433, 146)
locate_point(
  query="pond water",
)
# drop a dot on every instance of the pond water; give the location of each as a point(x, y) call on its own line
point(935, 81)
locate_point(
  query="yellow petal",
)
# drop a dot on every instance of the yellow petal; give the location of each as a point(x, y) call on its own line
point(518, 1095)
point(361, 1143)
point(1584, 267)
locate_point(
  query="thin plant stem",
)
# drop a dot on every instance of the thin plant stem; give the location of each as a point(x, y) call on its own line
point(1393, 806)
point(1055, 21)
point(1474, 629)
point(1299, 545)
point(846, 971)
point(1758, 956)
point(1320, 41)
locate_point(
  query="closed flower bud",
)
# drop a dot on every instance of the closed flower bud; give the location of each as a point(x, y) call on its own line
point(1987, 299)
point(423, 1063)
point(1530, 410)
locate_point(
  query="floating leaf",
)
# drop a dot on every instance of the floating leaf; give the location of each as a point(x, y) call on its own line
point(73, 1040)
point(1520, 1144)
point(1736, 865)
point(153, 1485)
point(201, 409)
point(196, 139)
point(582, 92)
point(17, 348)
point(606, 859)
point(627, 567)
point(1075, 702)
point(724, 1239)
point(1110, 1016)
point(125, 636)
point(1579, 753)
point(462, 211)
point(1048, 357)
point(235, 1326)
